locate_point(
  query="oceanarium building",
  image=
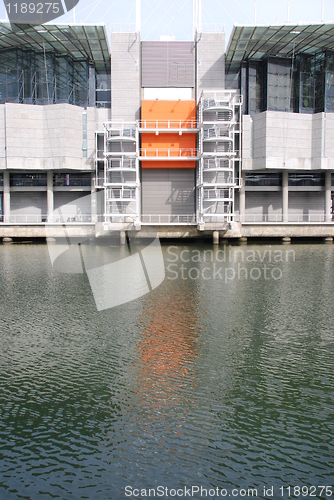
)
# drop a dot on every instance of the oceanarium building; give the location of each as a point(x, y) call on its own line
point(179, 135)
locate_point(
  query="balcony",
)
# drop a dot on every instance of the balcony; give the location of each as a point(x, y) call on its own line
point(169, 154)
point(168, 126)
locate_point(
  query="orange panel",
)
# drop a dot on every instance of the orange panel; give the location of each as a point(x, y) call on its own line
point(173, 112)
point(168, 141)
point(168, 114)
point(168, 164)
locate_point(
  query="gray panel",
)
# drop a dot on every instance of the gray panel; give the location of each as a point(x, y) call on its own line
point(168, 191)
point(211, 62)
point(168, 64)
point(305, 206)
point(25, 203)
point(263, 206)
point(73, 204)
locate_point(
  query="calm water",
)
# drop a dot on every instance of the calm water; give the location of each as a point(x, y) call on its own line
point(217, 381)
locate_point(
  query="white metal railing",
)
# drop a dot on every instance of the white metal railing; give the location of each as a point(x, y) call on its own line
point(168, 219)
point(210, 217)
point(121, 193)
point(278, 218)
point(217, 193)
point(117, 129)
point(221, 99)
point(167, 124)
point(169, 153)
point(43, 218)
point(121, 164)
point(216, 132)
point(217, 163)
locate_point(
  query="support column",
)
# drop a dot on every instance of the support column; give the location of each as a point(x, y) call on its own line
point(93, 198)
point(215, 237)
point(6, 196)
point(49, 196)
point(328, 196)
point(285, 195)
point(242, 198)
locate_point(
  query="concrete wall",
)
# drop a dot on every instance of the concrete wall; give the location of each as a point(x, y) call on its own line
point(292, 141)
point(125, 76)
point(210, 62)
point(46, 137)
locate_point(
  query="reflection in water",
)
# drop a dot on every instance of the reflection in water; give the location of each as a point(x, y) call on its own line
point(168, 346)
point(199, 382)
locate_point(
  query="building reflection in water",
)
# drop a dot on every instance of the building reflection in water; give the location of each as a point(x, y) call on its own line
point(169, 346)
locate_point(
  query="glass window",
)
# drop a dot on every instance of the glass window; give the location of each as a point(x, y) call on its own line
point(273, 179)
point(279, 84)
point(28, 180)
point(307, 179)
point(71, 179)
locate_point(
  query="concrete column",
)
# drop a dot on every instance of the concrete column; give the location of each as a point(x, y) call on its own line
point(285, 195)
point(328, 196)
point(49, 195)
point(216, 237)
point(93, 198)
point(122, 237)
point(6, 196)
point(242, 198)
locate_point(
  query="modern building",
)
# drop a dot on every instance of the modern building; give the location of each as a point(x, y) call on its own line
point(172, 134)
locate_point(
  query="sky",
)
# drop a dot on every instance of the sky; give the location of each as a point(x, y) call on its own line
point(174, 17)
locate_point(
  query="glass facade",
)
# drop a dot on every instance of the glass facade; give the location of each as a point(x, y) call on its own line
point(263, 179)
point(303, 84)
point(31, 77)
point(305, 180)
point(66, 179)
point(28, 180)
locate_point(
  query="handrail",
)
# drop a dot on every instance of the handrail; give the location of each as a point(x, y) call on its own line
point(168, 152)
point(168, 219)
point(167, 124)
point(250, 218)
point(62, 218)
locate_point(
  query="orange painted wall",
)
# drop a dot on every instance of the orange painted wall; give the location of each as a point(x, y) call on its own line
point(164, 111)
point(168, 110)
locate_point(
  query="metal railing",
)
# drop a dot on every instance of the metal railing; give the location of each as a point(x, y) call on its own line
point(121, 194)
point(43, 218)
point(221, 99)
point(217, 193)
point(217, 133)
point(168, 219)
point(119, 129)
point(169, 153)
point(167, 124)
point(278, 218)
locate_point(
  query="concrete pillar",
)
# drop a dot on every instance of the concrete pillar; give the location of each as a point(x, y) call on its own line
point(328, 239)
point(328, 196)
point(93, 198)
point(6, 196)
point(286, 240)
point(242, 198)
point(285, 195)
point(215, 237)
point(122, 237)
point(49, 195)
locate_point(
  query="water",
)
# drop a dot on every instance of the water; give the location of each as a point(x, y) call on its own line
point(221, 383)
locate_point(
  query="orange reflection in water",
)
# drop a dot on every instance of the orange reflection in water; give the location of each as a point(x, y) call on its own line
point(168, 347)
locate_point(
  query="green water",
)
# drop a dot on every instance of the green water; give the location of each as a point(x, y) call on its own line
point(221, 377)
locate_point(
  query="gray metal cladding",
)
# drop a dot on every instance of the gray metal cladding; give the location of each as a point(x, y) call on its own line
point(168, 64)
point(168, 191)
